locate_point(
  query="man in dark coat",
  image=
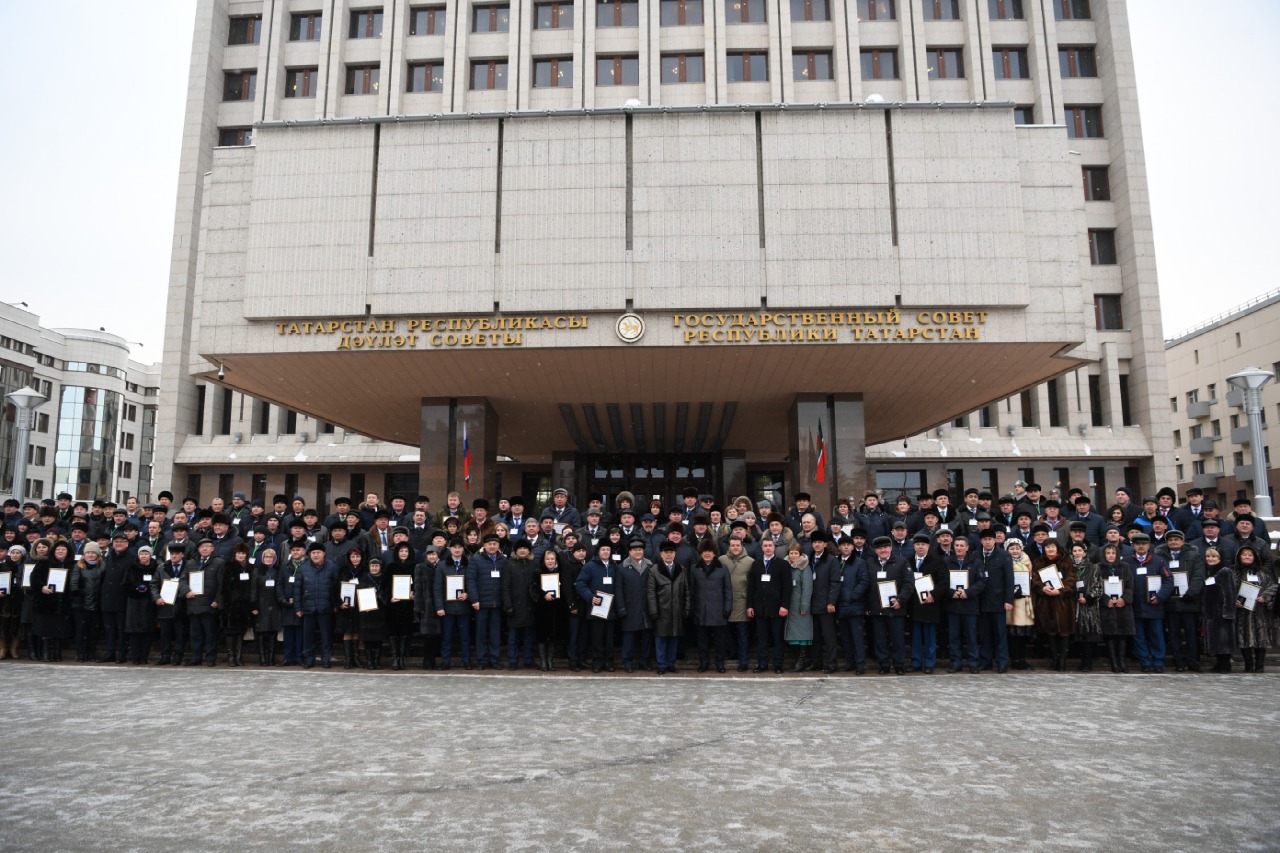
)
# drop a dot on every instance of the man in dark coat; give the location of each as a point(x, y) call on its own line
point(925, 609)
point(712, 594)
point(826, 595)
point(874, 520)
point(521, 590)
point(634, 579)
point(963, 605)
point(118, 561)
point(484, 588)
point(889, 620)
point(1152, 587)
point(768, 593)
point(851, 607)
point(1186, 565)
point(203, 598)
point(316, 599)
point(597, 580)
point(994, 602)
point(669, 603)
point(172, 617)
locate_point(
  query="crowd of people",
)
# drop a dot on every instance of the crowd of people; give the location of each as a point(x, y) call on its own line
point(984, 584)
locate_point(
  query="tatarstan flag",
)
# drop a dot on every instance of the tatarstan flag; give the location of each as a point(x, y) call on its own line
point(820, 475)
point(466, 459)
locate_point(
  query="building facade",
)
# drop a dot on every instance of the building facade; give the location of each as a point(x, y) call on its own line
point(1211, 441)
point(94, 436)
point(617, 244)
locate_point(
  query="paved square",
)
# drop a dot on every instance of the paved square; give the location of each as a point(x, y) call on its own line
point(155, 759)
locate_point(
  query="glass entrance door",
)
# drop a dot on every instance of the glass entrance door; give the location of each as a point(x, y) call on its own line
point(650, 475)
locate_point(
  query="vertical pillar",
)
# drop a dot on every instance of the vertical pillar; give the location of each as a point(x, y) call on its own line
point(442, 458)
point(564, 475)
point(844, 431)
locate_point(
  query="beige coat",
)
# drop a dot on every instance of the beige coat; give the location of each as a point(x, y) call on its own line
point(739, 569)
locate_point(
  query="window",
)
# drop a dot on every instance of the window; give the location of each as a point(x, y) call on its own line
point(1197, 466)
point(680, 13)
point(876, 10)
point(262, 424)
point(553, 73)
point(240, 85)
point(1102, 246)
point(961, 422)
point(1235, 421)
point(362, 79)
point(245, 30)
point(235, 137)
point(1010, 63)
point(617, 71)
point(1213, 392)
point(36, 455)
point(131, 413)
point(126, 440)
point(1055, 409)
point(1197, 431)
point(1237, 458)
point(812, 65)
point(426, 20)
point(495, 18)
point(489, 74)
point(305, 27)
point(425, 77)
point(946, 63)
point(745, 12)
point(1024, 115)
point(1193, 396)
point(224, 415)
point(682, 68)
point(618, 13)
point(1005, 10)
point(879, 64)
point(1028, 409)
point(290, 422)
point(201, 394)
point(1084, 122)
point(942, 10)
point(1095, 405)
point(1179, 475)
point(1215, 427)
point(366, 24)
point(1077, 62)
point(42, 423)
point(1173, 405)
point(301, 82)
point(1107, 313)
point(553, 16)
point(985, 419)
point(1177, 438)
point(1071, 10)
point(327, 428)
point(810, 10)
point(1097, 183)
point(748, 67)
point(290, 485)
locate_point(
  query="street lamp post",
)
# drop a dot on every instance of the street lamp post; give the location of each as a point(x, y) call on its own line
point(1250, 382)
point(25, 402)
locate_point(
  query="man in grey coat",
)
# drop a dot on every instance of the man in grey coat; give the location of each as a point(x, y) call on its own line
point(634, 579)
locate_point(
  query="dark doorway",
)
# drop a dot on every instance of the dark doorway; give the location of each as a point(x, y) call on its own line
point(649, 475)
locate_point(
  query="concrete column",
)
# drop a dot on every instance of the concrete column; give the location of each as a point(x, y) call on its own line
point(441, 464)
point(844, 429)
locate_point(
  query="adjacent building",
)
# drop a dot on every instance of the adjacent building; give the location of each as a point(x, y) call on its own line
point(94, 436)
point(760, 247)
point(1211, 441)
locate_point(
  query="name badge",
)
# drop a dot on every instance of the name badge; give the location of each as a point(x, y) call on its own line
point(1210, 581)
point(253, 560)
point(1173, 564)
point(973, 522)
point(1053, 534)
point(244, 576)
point(495, 574)
point(271, 583)
point(881, 575)
point(607, 581)
point(1253, 579)
point(595, 540)
point(292, 579)
point(311, 538)
point(1141, 570)
point(765, 578)
point(147, 578)
point(918, 575)
point(1079, 584)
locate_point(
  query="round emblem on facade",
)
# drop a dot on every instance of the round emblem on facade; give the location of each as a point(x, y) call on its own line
point(630, 328)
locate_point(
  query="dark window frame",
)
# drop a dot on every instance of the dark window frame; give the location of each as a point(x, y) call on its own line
point(1005, 61)
point(811, 66)
point(428, 67)
point(305, 26)
point(941, 10)
point(807, 10)
point(1102, 247)
point(248, 83)
point(875, 55)
point(363, 79)
point(1108, 312)
point(744, 12)
point(493, 66)
point(499, 17)
point(1097, 183)
point(558, 9)
point(1077, 62)
point(366, 23)
point(1084, 121)
point(305, 85)
point(623, 11)
point(745, 57)
point(939, 70)
point(244, 30)
point(683, 8)
point(618, 64)
point(427, 20)
point(869, 10)
point(553, 71)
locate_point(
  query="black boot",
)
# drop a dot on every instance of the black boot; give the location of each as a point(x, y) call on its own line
point(1259, 660)
point(1247, 654)
point(396, 644)
point(1063, 644)
point(348, 654)
point(271, 650)
point(362, 657)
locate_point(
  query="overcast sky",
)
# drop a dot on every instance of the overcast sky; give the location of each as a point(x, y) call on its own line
point(96, 95)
